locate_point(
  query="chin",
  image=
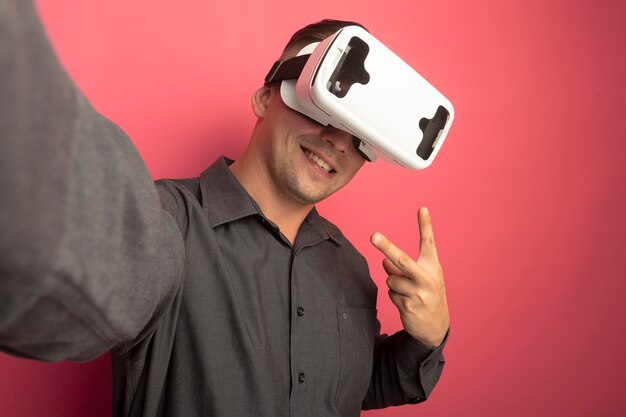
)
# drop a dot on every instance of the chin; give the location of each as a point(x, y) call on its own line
point(308, 197)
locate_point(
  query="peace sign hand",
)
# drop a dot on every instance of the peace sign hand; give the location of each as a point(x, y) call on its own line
point(417, 288)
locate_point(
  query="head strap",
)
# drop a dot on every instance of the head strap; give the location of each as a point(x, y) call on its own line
point(287, 69)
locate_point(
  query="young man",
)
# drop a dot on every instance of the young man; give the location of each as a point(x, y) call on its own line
point(222, 295)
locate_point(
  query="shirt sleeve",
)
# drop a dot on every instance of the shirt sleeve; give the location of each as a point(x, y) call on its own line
point(88, 257)
point(405, 371)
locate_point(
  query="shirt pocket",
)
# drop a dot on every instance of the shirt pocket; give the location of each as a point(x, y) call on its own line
point(356, 339)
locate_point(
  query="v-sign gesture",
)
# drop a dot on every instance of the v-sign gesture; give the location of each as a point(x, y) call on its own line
point(417, 288)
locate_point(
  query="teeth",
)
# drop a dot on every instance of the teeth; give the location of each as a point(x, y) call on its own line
point(319, 161)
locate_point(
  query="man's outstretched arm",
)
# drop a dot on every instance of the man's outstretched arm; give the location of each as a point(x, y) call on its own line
point(408, 364)
point(88, 257)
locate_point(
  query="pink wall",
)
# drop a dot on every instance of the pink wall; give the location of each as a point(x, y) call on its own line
point(527, 195)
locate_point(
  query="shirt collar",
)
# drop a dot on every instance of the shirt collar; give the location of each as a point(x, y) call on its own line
point(225, 200)
point(324, 227)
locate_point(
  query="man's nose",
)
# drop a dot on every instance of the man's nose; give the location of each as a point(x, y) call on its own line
point(339, 139)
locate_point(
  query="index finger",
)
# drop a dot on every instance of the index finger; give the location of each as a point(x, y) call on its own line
point(396, 255)
point(427, 237)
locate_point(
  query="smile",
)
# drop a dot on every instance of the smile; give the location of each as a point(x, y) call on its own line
point(319, 161)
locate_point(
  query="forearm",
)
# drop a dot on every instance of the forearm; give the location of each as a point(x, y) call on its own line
point(404, 372)
point(87, 255)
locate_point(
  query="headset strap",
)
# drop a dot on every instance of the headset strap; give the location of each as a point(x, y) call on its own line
point(287, 69)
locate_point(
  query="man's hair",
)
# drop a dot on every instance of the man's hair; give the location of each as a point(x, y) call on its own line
point(315, 32)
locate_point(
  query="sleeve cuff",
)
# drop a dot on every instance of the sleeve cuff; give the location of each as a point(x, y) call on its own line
point(413, 354)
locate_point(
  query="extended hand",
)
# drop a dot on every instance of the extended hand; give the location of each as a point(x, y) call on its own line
point(416, 288)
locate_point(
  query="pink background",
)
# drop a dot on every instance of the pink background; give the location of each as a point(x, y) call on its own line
point(527, 195)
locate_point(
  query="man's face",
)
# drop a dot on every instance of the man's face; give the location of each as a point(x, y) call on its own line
point(304, 159)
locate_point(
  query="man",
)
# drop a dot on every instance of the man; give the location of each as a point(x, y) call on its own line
point(222, 295)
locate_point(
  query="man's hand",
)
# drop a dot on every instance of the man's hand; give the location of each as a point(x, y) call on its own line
point(416, 288)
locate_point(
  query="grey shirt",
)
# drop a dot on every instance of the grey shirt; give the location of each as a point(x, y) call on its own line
point(208, 308)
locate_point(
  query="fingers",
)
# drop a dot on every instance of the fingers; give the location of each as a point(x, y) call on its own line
point(397, 281)
point(427, 237)
point(390, 268)
point(401, 285)
point(398, 264)
point(398, 258)
point(396, 298)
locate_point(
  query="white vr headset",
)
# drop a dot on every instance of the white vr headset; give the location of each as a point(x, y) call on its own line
point(355, 83)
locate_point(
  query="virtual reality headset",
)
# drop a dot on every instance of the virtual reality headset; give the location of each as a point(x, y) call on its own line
point(355, 83)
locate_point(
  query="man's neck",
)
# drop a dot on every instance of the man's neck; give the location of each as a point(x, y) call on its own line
point(275, 204)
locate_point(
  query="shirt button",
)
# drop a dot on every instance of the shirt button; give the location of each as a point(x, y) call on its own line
point(300, 311)
point(414, 400)
point(301, 377)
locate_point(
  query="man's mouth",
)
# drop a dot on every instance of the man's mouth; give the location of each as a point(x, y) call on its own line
point(319, 161)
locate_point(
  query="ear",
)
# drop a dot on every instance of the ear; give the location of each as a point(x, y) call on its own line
point(261, 99)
